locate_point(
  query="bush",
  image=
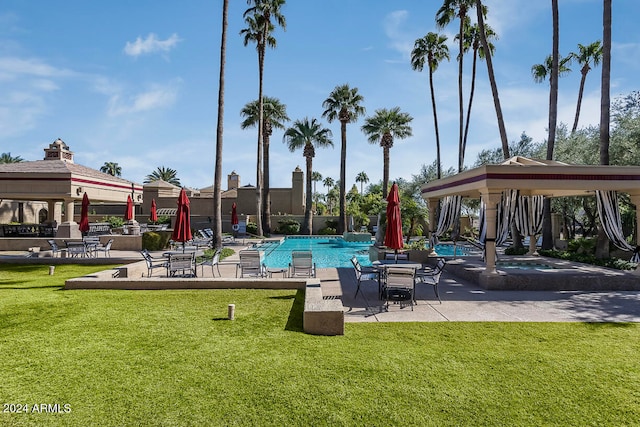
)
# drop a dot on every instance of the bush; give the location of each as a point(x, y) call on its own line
point(512, 250)
point(616, 263)
point(289, 226)
point(163, 219)
point(252, 228)
point(115, 221)
point(154, 241)
point(327, 231)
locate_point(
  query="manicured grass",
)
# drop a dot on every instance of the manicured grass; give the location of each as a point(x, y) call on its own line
point(171, 358)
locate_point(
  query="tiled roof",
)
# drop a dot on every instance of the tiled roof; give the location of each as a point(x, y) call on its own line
point(58, 167)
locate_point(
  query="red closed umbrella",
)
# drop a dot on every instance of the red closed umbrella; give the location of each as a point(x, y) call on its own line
point(153, 215)
point(393, 234)
point(234, 218)
point(84, 214)
point(182, 229)
point(128, 213)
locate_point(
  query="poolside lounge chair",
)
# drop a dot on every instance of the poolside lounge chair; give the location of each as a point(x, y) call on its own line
point(302, 264)
point(251, 264)
point(431, 277)
point(364, 274)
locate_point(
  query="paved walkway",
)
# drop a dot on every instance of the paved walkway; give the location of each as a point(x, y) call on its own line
point(461, 300)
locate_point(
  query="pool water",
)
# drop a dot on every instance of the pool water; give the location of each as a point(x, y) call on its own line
point(447, 249)
point(524, 265)
point(328, 252)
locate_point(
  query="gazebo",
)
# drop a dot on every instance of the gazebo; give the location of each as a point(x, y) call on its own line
point(530, 177)
point(59, 181)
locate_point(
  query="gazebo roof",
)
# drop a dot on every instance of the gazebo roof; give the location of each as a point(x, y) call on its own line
point(533, 177)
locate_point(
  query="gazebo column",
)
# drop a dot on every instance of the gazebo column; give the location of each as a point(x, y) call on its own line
point(491, 200)
point(54, 211)
point(69, 228)
point(433, 210)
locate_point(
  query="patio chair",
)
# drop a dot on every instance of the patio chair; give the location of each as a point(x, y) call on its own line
point(302, 264)
point(106, 248)
point(76, 249)
point(55, 249)
point(399, 285)
point(213, 262)
point(153, 263)
point(390, 256)
point(251, 264)
point(182, 263)
point(364, 274)
point(431, 276)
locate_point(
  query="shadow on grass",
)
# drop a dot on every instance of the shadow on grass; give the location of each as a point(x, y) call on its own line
point(57, 287)
point(294, 322)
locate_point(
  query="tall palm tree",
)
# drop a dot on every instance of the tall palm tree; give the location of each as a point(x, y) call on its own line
point(473, 41)
point(329, 183)
point(480, 11)
point(259, 18)
point(431, 49)
point(165, 174)
point(307, 134)
point(450, 10)
point(274, 116)
point(111, 168)
point(315, 177)
point(383, 127)
point(217, 179)
point(7, 158)
point(586, 55)
point(605, 95)
point(362, 178)
point(344, 104)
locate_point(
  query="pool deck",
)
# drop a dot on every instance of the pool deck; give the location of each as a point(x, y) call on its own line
point(463, 298)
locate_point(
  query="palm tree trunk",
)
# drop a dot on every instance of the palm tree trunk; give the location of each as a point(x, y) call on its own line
point(342, 224)
point(492, 80)
point(266, 194)
point(472, 90)
point(259, 175)
point(308, 219)
point(385, 171)
point(217, 180)
point(460, 101)
point(435, 124)
point(579, 103)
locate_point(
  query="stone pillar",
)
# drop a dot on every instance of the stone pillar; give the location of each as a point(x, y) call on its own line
point(69, 228)
point(491, 200)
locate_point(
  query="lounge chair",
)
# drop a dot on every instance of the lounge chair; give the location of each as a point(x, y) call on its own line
point(251, 264)
point(302, 264)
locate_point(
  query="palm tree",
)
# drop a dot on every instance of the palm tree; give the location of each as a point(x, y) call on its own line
point(274, 116)
point(605, 96)
point(480, 11)
point(431, 49)
point(328, 182)
point(586, 56)
point(163, 174)
point(473, 41)
point(362, 178)
point(344, 104)
point(307, 134)
point(450, 10)
point(7, 158)
point(111, 168)
point(315, 177)
point(383, 127)
point(259, 28)
point(217, 180)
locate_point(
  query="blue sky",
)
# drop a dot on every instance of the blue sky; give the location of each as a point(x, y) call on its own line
point(135, 82)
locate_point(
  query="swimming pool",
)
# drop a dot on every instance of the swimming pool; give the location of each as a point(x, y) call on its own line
point(523, 265)
point(328, 252)
point(447, 249)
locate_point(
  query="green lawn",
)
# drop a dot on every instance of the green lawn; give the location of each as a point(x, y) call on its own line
point(121, 358)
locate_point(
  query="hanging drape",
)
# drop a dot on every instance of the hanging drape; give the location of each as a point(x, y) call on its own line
point(528, 215)
point(504, 217)
point(449, 214)
point(609, 212)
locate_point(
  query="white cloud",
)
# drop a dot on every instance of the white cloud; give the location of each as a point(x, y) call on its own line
point(155, 98)
point(11, 67)
point(151, 45)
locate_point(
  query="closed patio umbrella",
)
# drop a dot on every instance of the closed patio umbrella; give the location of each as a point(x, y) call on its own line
point(393, 234)
point(182, 228)
point(153, 215)
point(128, 213)
point(234, 218)
point(84, 214)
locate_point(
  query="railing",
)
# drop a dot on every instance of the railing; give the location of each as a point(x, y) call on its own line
point(99, 228)
point(28, 230)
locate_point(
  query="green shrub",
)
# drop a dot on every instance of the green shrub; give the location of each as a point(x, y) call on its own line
point(252, 228)
point(327, 231)
point(512, 250)
point(155, 241)
point(288, 226)
point(163, 219)
point(115, 221)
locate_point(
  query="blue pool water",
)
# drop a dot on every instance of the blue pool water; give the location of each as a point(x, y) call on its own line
point(447, 249)
point(327, 251)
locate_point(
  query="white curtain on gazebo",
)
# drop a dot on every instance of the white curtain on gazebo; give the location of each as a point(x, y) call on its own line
point(528, 215)
point(449, 214)
point(506, 212)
